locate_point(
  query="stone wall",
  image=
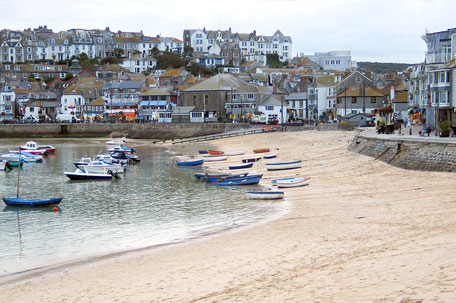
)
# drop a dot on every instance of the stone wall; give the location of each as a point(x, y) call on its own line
point(408, 154)
point(128, 130)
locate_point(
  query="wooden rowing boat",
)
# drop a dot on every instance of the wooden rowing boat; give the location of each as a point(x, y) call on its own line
point(265, 195)
point(254, 159)
point(241, 166)
point(283, 165)
point(261, 150)
point(293, 182)
point(215, 158)
point(190, 163)
point(215, 152)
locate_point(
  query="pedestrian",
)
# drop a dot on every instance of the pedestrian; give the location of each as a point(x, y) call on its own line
point(405, 122)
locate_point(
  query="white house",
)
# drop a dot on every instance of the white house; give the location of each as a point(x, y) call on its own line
point(72, 101)
point(273, 109)
point(139, 63)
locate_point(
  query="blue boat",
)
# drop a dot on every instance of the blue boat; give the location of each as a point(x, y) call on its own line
point(269, 156)
point(202, 152)
point(240, 166)
point(222, 178)
point(200, 176)
point(274, 182)
point(190, 163)
point(247, 180)
point(31, 203)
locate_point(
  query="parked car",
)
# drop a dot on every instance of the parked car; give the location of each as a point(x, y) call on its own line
point(30, 119)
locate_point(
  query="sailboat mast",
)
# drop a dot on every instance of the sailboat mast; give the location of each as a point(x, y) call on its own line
point(18, 173)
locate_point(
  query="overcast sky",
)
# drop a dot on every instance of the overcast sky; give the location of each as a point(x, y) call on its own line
point(380, 31)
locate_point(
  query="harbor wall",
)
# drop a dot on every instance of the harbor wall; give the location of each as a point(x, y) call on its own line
point(408, 154)
point(127, 130)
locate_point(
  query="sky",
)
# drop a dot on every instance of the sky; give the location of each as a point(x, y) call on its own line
point(375, 31)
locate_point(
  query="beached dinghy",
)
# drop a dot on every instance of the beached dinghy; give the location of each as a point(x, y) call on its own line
point(261, 150)
point(253, 159)
point(241, 166)
point(274, 182)
point(265, 195)
point(215, 152)
point(296, 182)
point(215, 158)
point(283, 165)
point(269, 156)
point(212, 174)
point(234, 153)
point(190, 163)
point(247, 180)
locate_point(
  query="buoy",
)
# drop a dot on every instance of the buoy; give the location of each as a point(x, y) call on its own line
point(55, 209)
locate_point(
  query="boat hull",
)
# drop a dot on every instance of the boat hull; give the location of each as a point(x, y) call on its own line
point(269, 195)
point(241, 166)
point(284, 165)
point(31, 203)
point(215, 158)
point(215, 152)
point(261, 150)
point(296, 182)
point(190, 163)
point(248, 180)
point(251, 160)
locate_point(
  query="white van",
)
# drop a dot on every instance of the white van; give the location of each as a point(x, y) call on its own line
point(66, 118)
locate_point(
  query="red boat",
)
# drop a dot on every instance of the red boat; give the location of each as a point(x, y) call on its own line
point(215, 152)
point(33, 148)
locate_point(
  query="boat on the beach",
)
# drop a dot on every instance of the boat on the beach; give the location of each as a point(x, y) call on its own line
point(209, 179)
point(210, 174)
point(261, 150)
point(241, 166)
point(269, 156)
point(215, 152)
point(80, 174)
point(264, 195)
point(283, 165)
point(202, 152)
point(274, 182)
point(253, 159)
point(215, 158)
point(247, 180)
point(190, 163)
point(234, 153)
point(295, 182)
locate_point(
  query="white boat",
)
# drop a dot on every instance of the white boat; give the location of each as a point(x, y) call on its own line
point(34, 148)
point(295, 182)
point(97, 166)
point(215, 158)
point(80, 174)
point(234, 153)
point(106, 157)
point(26, 156)
point(265, 195)
point(270, 156)
point(283, 165)
point(274, 182)
point(115, 142)
point(123, 148)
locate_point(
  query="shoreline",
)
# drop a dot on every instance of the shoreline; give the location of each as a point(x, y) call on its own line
point(361, 231)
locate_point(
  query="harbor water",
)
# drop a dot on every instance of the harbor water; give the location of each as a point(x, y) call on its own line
point(153, 203)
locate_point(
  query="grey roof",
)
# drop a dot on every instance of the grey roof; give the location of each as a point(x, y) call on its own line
point(183, 110)
point(296, 96)
point(272, 101)
point(220, 82)
point(125, 85)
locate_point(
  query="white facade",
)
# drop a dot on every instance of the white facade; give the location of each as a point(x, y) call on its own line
point(273, 109)
point(71, 104)
point(335, 60)
point(139, 64)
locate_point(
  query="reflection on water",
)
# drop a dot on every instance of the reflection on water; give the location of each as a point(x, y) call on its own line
point(153, 203)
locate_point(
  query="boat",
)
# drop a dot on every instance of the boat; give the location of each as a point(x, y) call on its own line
point(274, 182)
point(4, 165)
point(80, 174)
point(241, 166)
point(28, 202)
point(261, 150)
point(247, 180)
point(215, 158)
point(33, 148)
point(283, 165)
point(190, 163)
point(99, 166)
point(25, 156)
point(48, 148)
point(234, 153)
point(118, 157)
point(203, 152)
point(31, 202)
point(269, 156)
point(210, 179)
point(295, 182)
point(264, 195)
point(123, 148)
point(115, 142)
point(248, 160)
point(214, 174)
point(215, 152)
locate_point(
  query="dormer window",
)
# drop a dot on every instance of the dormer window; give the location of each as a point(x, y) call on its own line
point(52, 41)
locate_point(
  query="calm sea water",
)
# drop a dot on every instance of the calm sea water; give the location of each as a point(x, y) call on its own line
point(153, 203)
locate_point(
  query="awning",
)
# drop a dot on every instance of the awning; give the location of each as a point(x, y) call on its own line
point(129, 114)
point(144, 103)
point(115, 111)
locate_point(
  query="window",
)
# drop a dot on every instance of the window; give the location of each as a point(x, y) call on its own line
point(373, 99)
point(358, 79)
point(195, 98)
point(269, 107)
point(353, 99)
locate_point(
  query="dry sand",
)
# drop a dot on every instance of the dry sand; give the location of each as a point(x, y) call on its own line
point(362, 231)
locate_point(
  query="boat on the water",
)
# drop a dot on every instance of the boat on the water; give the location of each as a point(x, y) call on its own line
point(247, 180)
point(4, 165)
point(215, 152)
point(223, 178)
point(295, 182)
point(115, 142)
point(241, 166)
point(80, 174)
point(283, 165)
point(28, 202)
point(190, 163)
point(33, 147)
point(98, 166)
point(211, 174)
point(123, 148)
point(215, 158)
point(265, 195)
point(261, 150)
point(253, 159)
point(25, 156)
point(31, 202)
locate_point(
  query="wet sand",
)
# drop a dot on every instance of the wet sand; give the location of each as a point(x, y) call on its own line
point(362, 231)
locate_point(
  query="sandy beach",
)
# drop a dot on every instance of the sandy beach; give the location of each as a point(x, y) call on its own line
point(362, 231)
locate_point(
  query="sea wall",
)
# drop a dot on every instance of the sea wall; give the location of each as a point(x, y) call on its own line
point(408, 154)
point(128, 130)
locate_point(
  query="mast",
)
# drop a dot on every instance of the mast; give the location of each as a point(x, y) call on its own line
point(18, 173)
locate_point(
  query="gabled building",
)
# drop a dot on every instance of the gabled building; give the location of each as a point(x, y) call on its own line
point(174, 77)
point(123, 98)
point(139, 63)
point(273, 110)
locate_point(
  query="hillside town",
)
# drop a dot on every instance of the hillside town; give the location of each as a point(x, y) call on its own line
point(82, 75)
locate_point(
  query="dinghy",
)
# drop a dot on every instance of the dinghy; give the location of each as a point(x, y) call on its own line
point(293, 182)
point(215, 158)
point(265, 195)
point(283, 165)
point(190, 163)
point(241, 166)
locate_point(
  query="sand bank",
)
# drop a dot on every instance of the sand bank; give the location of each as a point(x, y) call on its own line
point(362, 231)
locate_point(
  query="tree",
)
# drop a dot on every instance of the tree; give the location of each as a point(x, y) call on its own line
point(273, 61)
point(155, 52)
point(188, 51)
point(136, 52)
point(167, 60)
point(118, 53)
point(31, 78)
point(110, 60)
point(67, 77)
point(196, 69)
point(47, 80)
